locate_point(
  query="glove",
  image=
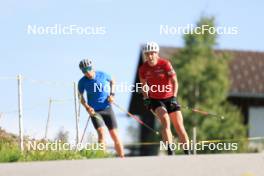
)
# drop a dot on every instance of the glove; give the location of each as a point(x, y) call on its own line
point(173, 100)
point(147, 103)
point(174, 104)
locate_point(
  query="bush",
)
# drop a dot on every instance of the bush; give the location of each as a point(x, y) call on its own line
point(9, 152)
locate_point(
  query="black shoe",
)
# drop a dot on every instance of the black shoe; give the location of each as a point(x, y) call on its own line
point(187, 152)
point(170, 151)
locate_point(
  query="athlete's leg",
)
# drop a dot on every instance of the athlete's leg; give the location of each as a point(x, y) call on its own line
point(118, 144)
point(165, 123)
point(177, 121)
point(101, 136)
point(111, 123)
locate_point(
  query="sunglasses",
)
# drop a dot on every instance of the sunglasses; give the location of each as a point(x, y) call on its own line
point(86, 69)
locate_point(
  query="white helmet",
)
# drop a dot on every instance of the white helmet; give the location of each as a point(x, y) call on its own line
point(150, 47)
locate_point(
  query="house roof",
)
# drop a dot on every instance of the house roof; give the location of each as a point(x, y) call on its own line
point(246, 71)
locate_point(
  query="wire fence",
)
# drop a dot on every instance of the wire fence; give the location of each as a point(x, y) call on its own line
point(35, 102)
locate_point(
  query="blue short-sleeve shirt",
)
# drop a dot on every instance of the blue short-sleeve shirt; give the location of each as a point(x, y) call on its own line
point(97, 90)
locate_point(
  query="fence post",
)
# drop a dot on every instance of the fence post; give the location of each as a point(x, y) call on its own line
point(194, 140)
point(76, 111)
point(20, 112)
point(48, 120)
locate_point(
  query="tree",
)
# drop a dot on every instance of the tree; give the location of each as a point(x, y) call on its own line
point(203, 83)
point(62, 136)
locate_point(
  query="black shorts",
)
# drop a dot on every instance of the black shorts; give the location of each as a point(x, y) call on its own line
point(106, 117)
point(166, 103)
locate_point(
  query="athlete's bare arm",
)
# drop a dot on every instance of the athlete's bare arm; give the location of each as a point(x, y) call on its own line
point(112, 84)
point(112, 92)
point(174, 85)
point(88, 108)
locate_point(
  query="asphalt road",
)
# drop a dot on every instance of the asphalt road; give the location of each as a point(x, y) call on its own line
point(199, 165)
